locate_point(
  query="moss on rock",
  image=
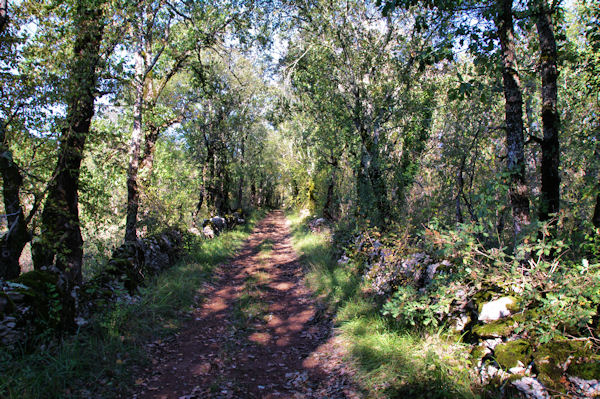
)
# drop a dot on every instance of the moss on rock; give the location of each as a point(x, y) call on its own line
point(484, 296)
point(509, 354)
point(588, 369)
point(550, 359)
point(478, 353)
point(495, 329)
point(516, 305)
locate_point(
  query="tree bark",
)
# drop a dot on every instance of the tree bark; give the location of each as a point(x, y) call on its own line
point(133, 194)
point(14, 240)
point(550, 192)
point(372, 189)
point(223, 195)
point(253, 194)
point(518, 192)
point(596, 216)
point(328, 208)
point(150, 138)
point(60, 242)
point(3, 14)
point(460, 182)
point(240, 193)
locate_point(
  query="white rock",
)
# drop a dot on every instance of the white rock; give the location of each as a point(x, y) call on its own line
point(492, 343)
point(495, 310)
point(194, 231)
point(590, 388)
point(531, 387)
point(208, 232)
point(518, 369)
point(486, 351)
point(494, 371)
point(459, 323)
point(219, 223)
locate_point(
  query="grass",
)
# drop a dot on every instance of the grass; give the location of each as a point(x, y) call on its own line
point(391, 361)
point(100, 360)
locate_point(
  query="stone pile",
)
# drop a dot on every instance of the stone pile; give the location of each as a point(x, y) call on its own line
point(40, 304)
point(214, 226)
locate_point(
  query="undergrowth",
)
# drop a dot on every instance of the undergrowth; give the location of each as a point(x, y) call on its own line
point(99, 361)
point(392, 361)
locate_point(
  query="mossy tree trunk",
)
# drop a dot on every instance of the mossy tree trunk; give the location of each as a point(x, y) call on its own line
point(14, 240)
point(550, 192)
point(60, 242)
point(518, 191)
point(3, 14)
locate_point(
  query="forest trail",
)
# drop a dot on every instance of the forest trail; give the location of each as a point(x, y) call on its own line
point(257, 334)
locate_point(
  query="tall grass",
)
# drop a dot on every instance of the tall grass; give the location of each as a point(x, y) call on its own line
point(101, 359)
point(391, 361)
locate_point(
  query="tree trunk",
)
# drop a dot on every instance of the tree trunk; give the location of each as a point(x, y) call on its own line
point(460, 182)
point(518, 192)
point(253, 194)
point(60, 242)
point(14, 240)
point(240, 192)
point(133, 194)
point(329, 207)
point(550, 193)
point(150, 139)
point(295, 190)
point(596, 216)
point(223, 200)
point(372, 190)
point(3, 14)
point(211, 194)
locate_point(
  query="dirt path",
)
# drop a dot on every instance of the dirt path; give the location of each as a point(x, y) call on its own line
point(258, 333)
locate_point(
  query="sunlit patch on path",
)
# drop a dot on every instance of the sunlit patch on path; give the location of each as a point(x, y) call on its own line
point(256, 335)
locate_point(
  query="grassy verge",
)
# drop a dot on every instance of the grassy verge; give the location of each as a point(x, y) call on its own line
point(99, 361)
point(391, 361)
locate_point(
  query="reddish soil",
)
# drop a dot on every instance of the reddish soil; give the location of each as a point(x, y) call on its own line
point(258, 334)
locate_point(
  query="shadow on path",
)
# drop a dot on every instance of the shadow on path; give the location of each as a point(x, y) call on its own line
point(256, 335)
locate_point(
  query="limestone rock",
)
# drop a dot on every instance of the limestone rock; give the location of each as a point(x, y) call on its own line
point(208, 232)
point(553, 358)
point(495, 329)
point(531, 388)
point(497, 309)
point(586, 388)
point(194, 231)
point(478, 354)
point(492, 343)
point(218, 223)
point(460, 322)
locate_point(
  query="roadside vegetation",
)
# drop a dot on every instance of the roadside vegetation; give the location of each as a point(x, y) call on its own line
point(392, 361)
point(102, 358)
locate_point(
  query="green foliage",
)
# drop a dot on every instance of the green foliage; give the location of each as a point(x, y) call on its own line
point(390, 360)
point(554, 291)
point(414, 309)
point(564, 292)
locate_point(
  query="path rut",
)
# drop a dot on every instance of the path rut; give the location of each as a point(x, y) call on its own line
point(258, 334)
